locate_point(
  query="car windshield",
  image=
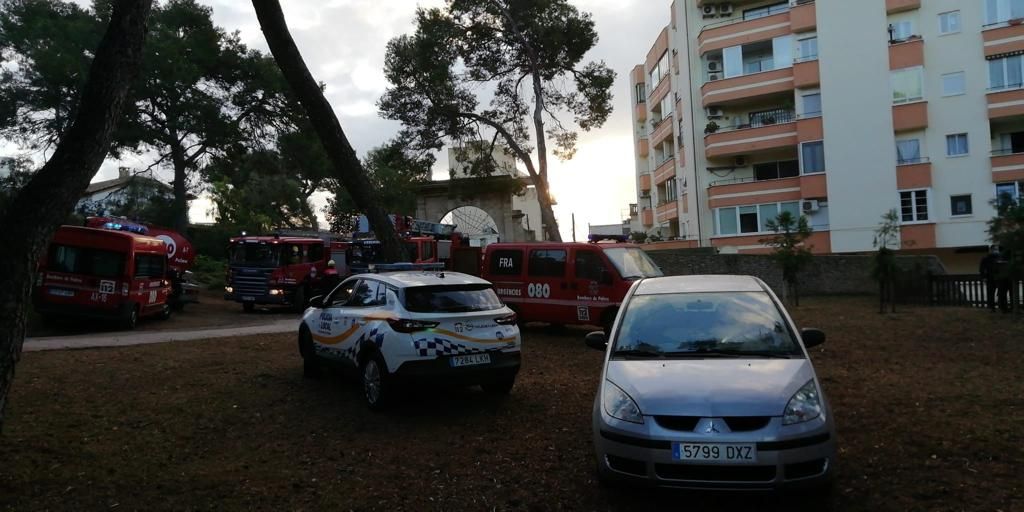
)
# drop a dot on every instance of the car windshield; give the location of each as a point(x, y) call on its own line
point(632, 262)
point(742, 324)
point(255, 254)
point(451, 299)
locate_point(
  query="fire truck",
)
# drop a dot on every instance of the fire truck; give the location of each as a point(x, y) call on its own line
point(113, 270)
point(566, 282)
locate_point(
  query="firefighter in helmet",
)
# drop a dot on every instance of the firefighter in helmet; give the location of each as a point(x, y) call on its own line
point(331, 278)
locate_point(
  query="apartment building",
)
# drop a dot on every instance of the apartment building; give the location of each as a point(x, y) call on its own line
point(837, 110)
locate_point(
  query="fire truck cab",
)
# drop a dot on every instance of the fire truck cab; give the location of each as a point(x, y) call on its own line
point(565, 283)
point(102, 273)
point(279, 270)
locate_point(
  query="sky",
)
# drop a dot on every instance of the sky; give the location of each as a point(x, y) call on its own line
point(343, 42)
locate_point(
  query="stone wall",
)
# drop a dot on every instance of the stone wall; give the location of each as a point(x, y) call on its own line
point(826, 275)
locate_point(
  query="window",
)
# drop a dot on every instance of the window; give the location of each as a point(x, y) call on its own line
point(901, 30)
point(907, 85)
point(999, 11)
point(451, 299)
point(507, 263)
point(812, 104)
point(671, 190)
point(1011, 191)
point(666, 106)
point(807, 48)
point(752, 219)
point(956, 145)
point(776, 170)
point(315, 253)
point(589, 265)
point(949, 22)
point(641, 93)
point(1010, 143)
point(547, 263)
point(82, 260)
point(908, 151)
point(365, 294)
point(150, 265)
point(961, 205)
point(768, 10)
point(758, 57)
point(341, 294)
point(914, 205)
point(812, 157)
point(660, 70)
point(954, 84)
point(1005, 73)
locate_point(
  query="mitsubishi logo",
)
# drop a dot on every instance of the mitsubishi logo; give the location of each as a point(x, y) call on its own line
point(711, 428)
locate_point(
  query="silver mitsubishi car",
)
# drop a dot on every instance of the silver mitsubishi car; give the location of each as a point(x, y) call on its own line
point(707, 385)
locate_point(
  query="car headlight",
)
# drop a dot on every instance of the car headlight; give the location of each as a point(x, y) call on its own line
point(804, 406)
point(229, 289)
point(619, 405)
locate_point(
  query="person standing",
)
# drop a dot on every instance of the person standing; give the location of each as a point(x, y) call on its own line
point(989, 272)
point(1003, 281)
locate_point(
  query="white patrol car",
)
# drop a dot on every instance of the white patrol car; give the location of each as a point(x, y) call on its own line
point(413, 325)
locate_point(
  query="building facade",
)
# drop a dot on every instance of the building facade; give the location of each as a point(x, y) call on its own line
point(837, 110)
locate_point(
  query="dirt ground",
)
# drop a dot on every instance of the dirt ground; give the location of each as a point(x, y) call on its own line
point(929, 405)
point(212, 311)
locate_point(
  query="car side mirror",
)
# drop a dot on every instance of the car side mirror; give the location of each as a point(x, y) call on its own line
point(597, 340)
point(317, 301)
point(812, 337)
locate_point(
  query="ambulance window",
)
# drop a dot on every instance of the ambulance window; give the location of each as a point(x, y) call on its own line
point(547, 263)
point(507, 263)
point(315, 254)
point(589, 265)
point(150, 265)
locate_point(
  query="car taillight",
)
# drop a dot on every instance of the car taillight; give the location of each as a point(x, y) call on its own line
point(408, 326)
point(506, 320)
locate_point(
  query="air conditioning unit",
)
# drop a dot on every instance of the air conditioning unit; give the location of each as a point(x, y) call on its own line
point(710, 10)
point(725, 9)
point(714, 65)
point(809, 205)
point(714, 112)
point(740, 161)
point(714, 76)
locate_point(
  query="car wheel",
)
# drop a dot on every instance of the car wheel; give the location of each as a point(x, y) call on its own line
point(130, 317)
point(248, 307)
point(376, 388)
point(501, 386)
point(165, 312)
point(310, 362)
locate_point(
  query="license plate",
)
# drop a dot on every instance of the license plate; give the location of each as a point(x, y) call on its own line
point(717, 452)
point(61, 293)
point(248, 298)
point(470, 360)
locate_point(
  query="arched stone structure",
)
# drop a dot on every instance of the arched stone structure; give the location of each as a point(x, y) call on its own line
point(493, 195)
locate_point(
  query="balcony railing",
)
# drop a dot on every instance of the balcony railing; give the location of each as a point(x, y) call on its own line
point(913, 161)
point(1005, 151)
point(772, 11)
point(761, 119)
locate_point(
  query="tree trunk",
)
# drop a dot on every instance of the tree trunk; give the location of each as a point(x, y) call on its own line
point(39, 208)
point(547, 213)
point(347, 167)
point(180, 202)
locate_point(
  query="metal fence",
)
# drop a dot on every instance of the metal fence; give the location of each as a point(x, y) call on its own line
point(968, 290)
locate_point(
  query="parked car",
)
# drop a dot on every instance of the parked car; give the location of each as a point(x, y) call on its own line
point(707, 384)
point(414, 326)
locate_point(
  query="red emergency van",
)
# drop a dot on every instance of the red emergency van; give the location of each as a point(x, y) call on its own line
point(102, 273)
point(565, 283)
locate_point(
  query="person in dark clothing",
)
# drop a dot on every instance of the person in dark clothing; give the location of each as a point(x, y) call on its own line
point(1003, 282)
point(330, 279)
point(989, 272)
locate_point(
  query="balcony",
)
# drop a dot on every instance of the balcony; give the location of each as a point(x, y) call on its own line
point(643, 148)
point(910, 116)
point(914, 174)
point(647, 217)
point(645, 182)
point(740, 31)
point(746, 191)
point(1005, 37)
point(906, 54)
point(895, 6)
point(665, 170)
point(668, 211)
point(1007, 166)
point(662, 130)
point(769, 130)
point(747, 87)
point(803, 17)
point(806, 73)
point(917, 236)
point(1004, 103)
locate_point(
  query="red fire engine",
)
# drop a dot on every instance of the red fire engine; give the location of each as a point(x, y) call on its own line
point(116, 272)
point(566, 283)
